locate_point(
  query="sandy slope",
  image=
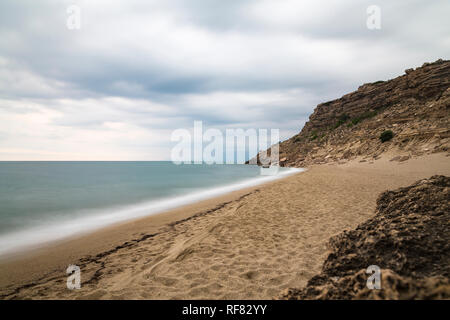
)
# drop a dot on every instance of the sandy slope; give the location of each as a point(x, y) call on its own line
point(250, 246)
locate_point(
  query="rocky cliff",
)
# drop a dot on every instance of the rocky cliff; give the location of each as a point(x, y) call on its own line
point(415, 107)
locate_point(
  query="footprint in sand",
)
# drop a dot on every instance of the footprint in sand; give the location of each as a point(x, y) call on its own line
point(250, 275)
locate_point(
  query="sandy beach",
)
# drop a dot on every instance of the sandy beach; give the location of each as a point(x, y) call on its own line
point(249, 244)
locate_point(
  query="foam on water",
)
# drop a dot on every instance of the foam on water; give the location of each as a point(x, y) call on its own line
point(84, 222)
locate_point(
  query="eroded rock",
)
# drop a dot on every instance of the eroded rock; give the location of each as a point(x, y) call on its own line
point(415, 106)
point(408, 238)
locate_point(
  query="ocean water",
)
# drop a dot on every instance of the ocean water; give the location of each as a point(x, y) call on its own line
point(46, 201)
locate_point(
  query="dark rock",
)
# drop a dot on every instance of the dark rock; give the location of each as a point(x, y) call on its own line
point(408, 238)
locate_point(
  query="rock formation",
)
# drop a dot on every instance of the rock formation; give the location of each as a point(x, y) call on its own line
point(408, 238)
point(414, 106)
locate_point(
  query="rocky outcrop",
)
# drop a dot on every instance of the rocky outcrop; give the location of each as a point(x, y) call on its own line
point(414, 106)
point(408, 238)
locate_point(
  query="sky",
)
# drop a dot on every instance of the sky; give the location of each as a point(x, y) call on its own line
point(118, 86)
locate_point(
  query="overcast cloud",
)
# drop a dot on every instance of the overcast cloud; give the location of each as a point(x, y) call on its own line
point(137, 70)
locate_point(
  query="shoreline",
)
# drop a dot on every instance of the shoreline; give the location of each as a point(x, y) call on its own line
point(248, 244)
point(59, 253)
point(45, 236)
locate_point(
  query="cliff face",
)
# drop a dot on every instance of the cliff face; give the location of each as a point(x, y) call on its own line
point(414, 106)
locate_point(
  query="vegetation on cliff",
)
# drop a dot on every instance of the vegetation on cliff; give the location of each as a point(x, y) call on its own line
point(414, 106)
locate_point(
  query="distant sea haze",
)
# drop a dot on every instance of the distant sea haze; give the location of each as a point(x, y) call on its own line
point(46, 201)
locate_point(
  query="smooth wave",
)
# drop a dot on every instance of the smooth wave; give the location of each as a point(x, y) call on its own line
point(35, 237)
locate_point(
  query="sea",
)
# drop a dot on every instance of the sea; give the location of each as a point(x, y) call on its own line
point(42, 202)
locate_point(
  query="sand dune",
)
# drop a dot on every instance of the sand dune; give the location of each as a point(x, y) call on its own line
point(252, 245)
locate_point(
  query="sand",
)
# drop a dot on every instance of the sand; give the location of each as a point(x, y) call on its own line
point(250, 244)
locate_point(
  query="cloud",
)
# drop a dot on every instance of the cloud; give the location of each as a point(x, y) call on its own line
point(137, 70)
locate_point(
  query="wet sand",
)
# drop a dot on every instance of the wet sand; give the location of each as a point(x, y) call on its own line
point(249, 244)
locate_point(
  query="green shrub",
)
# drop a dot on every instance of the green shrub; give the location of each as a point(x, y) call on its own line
point(356, 120)
point(338, 124)
point(365, 115)
point(313, 136)
point(341, 120)
point(386, 135)
point(344, 117)
point(368, 114)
